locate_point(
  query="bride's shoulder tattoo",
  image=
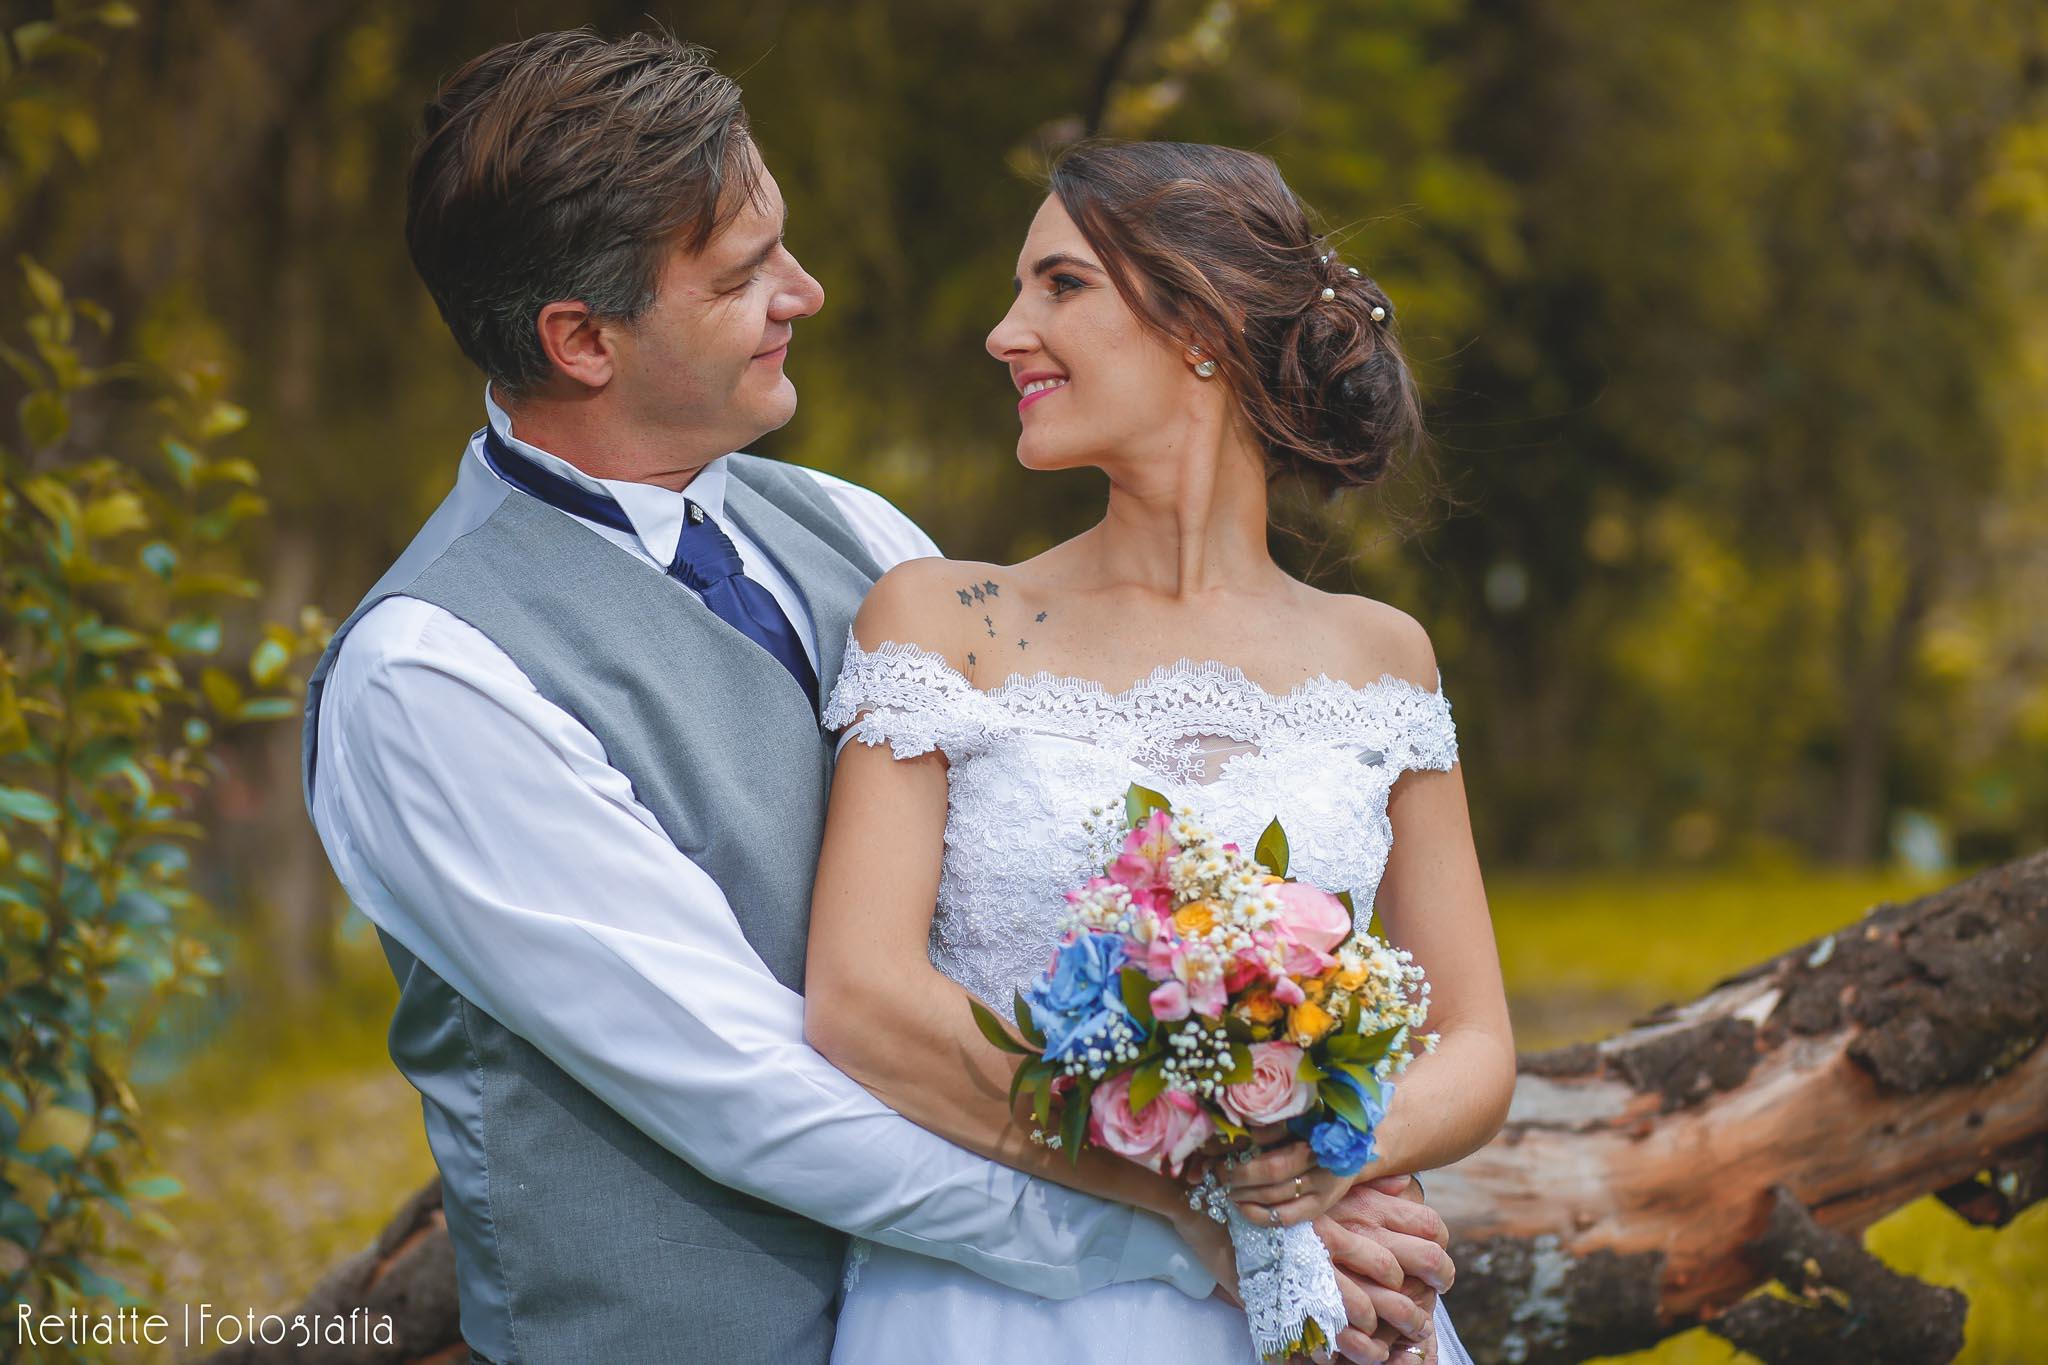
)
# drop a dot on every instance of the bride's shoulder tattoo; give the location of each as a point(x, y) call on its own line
point(981, 594)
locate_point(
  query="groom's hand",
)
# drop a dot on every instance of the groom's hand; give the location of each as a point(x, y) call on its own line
point(1389, 1249)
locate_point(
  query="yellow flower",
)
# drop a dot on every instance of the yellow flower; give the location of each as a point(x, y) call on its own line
point(1314, 987)
point(1308, 1023)
point(1261, 1008)
point(1353, 979)
point(1195, 919)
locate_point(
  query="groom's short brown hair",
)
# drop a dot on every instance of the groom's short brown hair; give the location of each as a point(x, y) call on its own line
point(566, 166)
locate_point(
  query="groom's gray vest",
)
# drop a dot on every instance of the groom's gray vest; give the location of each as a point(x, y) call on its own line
point(578, 1238)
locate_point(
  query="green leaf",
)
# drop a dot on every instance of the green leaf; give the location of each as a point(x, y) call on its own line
point(160, 559)
point(155, 1187)
point(1137, 992)
point(1140, 802)
point(1028, 1072)
point(194, 634)
point(45, 418)
point(223, 693)
point(223, 419)
point(114, 514)
point(1366, 1048)
point(18, 803)
point(1344, 899)
point(1346, 1105)
point(184, 462)
point(98, 638)
point(267, 708)
point(1041, 1101)
point(46, 288)
point(133, 907)
point(1147, 1083)
point(237, 471)
point(993, 1030)
point(1026, 1025)
point(1240, 1065)
point(1074, 1120)
point(1272, 850)
point(117, 14)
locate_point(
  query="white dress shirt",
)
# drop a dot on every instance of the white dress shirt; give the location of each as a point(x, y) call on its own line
point(480, 825)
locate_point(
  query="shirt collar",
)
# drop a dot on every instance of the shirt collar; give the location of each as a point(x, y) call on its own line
point(656, 513)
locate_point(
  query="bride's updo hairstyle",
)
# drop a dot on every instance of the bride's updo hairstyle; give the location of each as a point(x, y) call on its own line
point(1209, 247)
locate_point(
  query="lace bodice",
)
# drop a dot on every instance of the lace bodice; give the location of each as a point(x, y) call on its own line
point(1031, 758)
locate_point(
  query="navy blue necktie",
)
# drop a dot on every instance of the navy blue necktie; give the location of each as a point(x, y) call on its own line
point(705, 559)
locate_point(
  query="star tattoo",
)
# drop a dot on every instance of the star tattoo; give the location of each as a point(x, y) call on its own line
point(1022, 643)
point(970, 661)
point(992, 592)
point(1041, 616)
point(979, 595)
point(966, 598)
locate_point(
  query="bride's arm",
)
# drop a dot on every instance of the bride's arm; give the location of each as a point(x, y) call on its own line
point(874, 1004)
point(876, 1007)
point(1431, 901)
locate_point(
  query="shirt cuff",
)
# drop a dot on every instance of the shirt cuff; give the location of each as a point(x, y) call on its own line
point(1154, 1251)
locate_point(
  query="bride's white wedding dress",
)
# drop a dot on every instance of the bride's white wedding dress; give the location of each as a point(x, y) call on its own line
point(1029, 759)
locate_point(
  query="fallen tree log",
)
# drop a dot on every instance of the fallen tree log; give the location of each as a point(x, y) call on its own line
point(1648, 1183)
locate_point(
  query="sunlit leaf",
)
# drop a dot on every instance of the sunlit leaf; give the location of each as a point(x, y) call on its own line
point(18, 803)
point(1272, 849)
point(194, 634)
point(114, 514)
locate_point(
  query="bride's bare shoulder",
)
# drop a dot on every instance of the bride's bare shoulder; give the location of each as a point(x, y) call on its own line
point(1371, 638)
point(942, 605)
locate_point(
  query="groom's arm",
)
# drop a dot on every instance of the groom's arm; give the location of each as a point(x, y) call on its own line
point(481, 826)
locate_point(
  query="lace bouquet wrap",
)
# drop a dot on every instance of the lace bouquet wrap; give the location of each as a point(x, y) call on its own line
point(1197, 994)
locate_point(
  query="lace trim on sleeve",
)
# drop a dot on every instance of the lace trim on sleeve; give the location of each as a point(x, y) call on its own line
point(910, 699)
point(1421, 732)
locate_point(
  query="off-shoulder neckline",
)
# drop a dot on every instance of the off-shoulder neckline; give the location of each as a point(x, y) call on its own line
point(1182, 669)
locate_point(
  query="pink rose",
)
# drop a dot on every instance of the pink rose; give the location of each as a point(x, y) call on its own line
point(1164, 1135)
point(1275, 1091)
point(1313, 917)
point(1288, 992)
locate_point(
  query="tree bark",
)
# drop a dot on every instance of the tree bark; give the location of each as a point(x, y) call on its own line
point(1649, 1182)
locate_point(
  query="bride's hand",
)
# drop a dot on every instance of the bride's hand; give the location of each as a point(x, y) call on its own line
point(1283, 1185)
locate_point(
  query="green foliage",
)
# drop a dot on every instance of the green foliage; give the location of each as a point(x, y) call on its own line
point(113, 688)
point(121, 541)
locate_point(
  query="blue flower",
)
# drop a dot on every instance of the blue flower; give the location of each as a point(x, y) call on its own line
point(1080, 1000)
point(1340, 1147)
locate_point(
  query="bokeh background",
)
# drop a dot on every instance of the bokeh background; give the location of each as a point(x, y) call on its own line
point(1731, 321)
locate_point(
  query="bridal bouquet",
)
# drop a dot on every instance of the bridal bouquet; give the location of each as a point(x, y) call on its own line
point(1197, 994)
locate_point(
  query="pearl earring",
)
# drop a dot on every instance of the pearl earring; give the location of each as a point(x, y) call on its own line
point(1379, 314)
point(1206, 369)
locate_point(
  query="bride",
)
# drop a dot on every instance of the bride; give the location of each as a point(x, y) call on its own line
point(1178, 326)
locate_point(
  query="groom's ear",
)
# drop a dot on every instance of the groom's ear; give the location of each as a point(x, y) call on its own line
point(577, 343)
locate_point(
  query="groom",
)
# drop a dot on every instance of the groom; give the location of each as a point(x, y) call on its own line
point(566, 757)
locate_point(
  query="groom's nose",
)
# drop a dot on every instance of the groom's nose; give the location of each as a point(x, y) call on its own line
point(800, 296)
